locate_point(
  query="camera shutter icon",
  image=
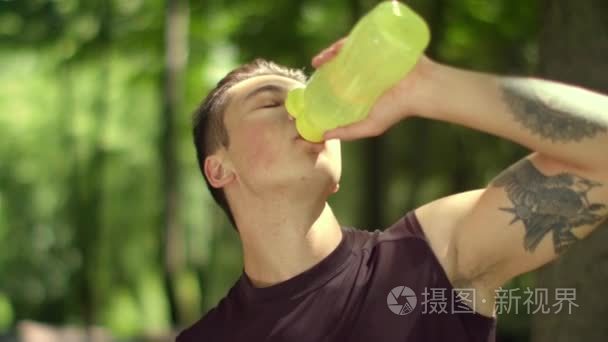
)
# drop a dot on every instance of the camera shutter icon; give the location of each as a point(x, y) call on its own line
point(401, 300)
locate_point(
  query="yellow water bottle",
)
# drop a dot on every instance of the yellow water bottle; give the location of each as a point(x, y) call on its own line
point(380, 50)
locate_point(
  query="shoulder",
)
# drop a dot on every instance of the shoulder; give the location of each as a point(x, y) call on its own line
point(407, 227)
point(213, 325)
point(204, 329)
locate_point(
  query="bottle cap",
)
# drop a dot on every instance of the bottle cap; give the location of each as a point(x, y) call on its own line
point(294, 101)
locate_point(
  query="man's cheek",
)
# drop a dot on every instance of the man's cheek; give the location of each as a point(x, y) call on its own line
point(262, 149)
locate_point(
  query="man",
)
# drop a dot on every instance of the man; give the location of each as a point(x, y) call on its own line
point(306, 278)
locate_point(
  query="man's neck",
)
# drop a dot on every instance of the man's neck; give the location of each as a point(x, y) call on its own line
point(279, 244)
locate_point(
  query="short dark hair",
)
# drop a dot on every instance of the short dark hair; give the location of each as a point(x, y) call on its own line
point(208, 128)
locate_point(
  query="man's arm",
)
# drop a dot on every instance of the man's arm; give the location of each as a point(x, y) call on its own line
point(564, 122)
point(560, 121)
point(533, 210)
point(563, 186)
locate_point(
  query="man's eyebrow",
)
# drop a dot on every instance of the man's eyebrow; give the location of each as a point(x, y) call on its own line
point(268, 87)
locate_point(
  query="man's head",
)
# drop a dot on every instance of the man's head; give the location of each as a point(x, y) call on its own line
point(247, 144)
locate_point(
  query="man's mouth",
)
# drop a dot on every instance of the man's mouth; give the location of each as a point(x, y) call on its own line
point(299, 137)
point(317, 146)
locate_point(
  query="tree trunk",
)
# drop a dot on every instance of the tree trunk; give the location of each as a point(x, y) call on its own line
point(176, 45)
point(86, 180)
point(574, 49)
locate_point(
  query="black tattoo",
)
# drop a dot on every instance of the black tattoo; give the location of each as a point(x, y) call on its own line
point(546, 117)
point(544, 204)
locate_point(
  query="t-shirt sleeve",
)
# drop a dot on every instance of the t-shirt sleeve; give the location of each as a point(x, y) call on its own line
point(406, 227)
point(408, 240)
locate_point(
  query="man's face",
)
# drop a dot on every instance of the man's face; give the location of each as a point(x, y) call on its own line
point(265, 149)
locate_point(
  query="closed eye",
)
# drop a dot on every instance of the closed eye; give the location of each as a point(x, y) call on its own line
point(272, 104)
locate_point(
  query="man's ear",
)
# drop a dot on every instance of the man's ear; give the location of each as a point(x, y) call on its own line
point(218, 171)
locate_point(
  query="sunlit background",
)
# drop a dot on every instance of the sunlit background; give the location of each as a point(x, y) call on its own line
point(105, 220)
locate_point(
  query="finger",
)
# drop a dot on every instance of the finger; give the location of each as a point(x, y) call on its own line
point(318, 60)
point(354, 131)
point(328, 53)
point(337, 46)
point(331, 49)
point(323, 57)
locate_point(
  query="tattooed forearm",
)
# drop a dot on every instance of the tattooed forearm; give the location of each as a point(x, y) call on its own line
point(549, 204)
point(545, 114)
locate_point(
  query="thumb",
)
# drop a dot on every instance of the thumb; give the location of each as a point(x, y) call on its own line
point(358, 130)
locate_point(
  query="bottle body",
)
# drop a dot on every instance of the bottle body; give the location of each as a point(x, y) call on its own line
point(380, 50)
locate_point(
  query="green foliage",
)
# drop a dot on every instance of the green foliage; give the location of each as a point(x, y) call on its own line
point(80, 182)
point(6, 313)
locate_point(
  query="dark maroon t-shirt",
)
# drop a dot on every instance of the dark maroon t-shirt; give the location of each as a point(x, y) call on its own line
point(380, 286)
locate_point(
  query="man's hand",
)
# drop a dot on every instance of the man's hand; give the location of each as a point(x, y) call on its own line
point(396, 104)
